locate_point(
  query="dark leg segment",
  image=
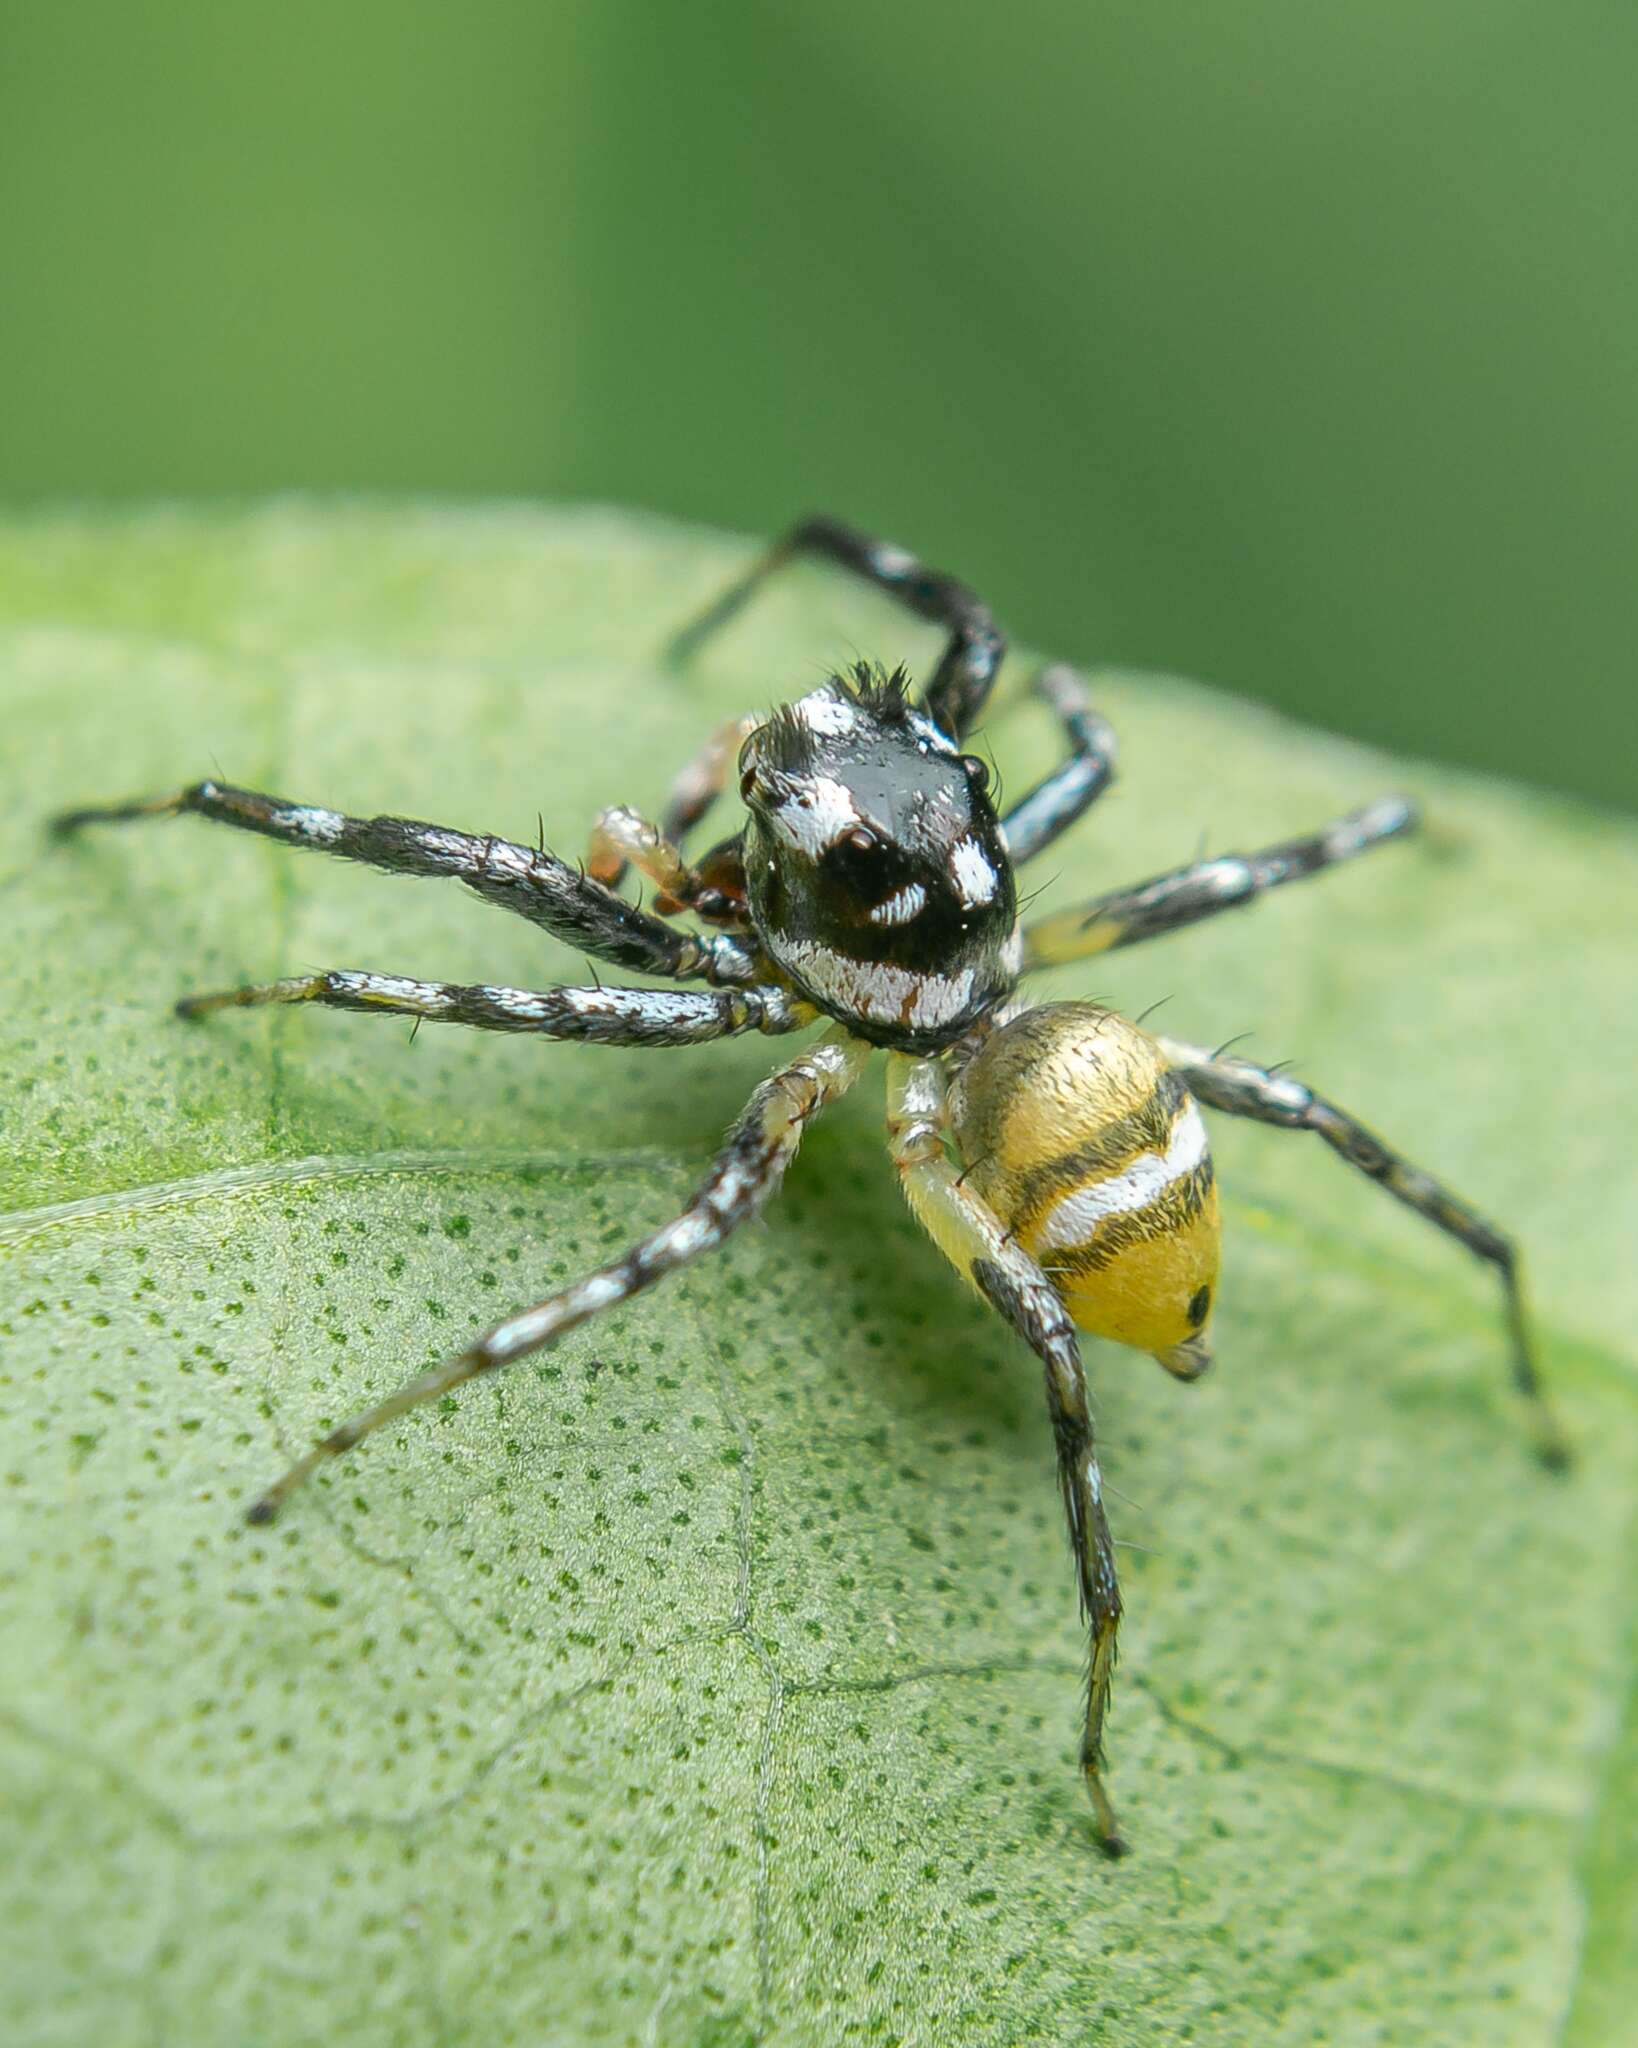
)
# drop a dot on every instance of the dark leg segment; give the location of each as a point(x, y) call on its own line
point(1201, 890)
point(599, 1016)
point(528, 881)
point(1243, 1089)
point(971, 1237)
point(1054, 804)
point(966, 669)
point(744, 1175)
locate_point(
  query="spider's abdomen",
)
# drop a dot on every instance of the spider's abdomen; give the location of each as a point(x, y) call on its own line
point(1094, 1155)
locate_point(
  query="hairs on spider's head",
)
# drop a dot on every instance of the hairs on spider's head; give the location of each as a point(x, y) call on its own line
point(866, 694)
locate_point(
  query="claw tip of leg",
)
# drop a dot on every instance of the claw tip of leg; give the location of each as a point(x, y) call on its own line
point(260, 1512)
point(1110, 1839)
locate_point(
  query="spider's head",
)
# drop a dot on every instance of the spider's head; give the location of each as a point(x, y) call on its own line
point(875, 866)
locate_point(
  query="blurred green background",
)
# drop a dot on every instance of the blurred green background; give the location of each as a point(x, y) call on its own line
point(1289, 346)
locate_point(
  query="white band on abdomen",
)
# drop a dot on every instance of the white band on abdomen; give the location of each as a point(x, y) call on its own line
point(1072, 1221)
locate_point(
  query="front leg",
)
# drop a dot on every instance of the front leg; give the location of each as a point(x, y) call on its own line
point(526, 880)
point(967, 668)
point(971, 1237)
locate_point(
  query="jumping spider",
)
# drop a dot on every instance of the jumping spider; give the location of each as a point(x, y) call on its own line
point(1055, 1154)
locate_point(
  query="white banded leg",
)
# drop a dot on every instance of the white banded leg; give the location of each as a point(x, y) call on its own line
point(1241, 1088)
point(972, 1238)
point(1201, 890)
point(745, 1173)
point(1054, 804)
point(975, 645)
point(600, 1016)
point(526, 880)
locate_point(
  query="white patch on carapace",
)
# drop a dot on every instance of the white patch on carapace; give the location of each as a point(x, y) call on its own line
point(822, 712)
point(1012, 953)
point(1072, 1221)
point(816, 814)
point(901, 906)
point(974, 874)
point(931, 739)
point(878, 990)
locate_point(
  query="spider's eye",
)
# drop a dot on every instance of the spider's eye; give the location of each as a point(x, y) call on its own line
point(977, 772)
point(855, 859)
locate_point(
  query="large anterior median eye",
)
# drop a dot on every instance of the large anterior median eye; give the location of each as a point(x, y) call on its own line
point(860, 860)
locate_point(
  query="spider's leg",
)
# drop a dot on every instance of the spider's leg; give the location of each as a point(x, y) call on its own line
point(972, 1238)
point(600, 1016)
point(1200, 890)
point(532, 883)
point(1243, 1089)
point(702, 781)
point(744, 1174)
point(1054, 804)
point(695, 790)
point(966, 669)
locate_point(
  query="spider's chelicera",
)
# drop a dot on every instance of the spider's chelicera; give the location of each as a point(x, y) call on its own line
point(1055, 1153)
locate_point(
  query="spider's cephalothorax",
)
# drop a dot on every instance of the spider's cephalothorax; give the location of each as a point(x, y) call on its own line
point(1056, 1154)
point(874, 864)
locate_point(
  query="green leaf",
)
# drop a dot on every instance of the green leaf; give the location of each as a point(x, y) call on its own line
point(715, 1678)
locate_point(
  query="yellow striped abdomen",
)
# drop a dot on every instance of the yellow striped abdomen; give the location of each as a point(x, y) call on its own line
point(1089, 1148)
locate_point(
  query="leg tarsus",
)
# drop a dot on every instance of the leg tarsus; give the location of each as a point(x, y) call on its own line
point(66, 823)
point(1110, 1839)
